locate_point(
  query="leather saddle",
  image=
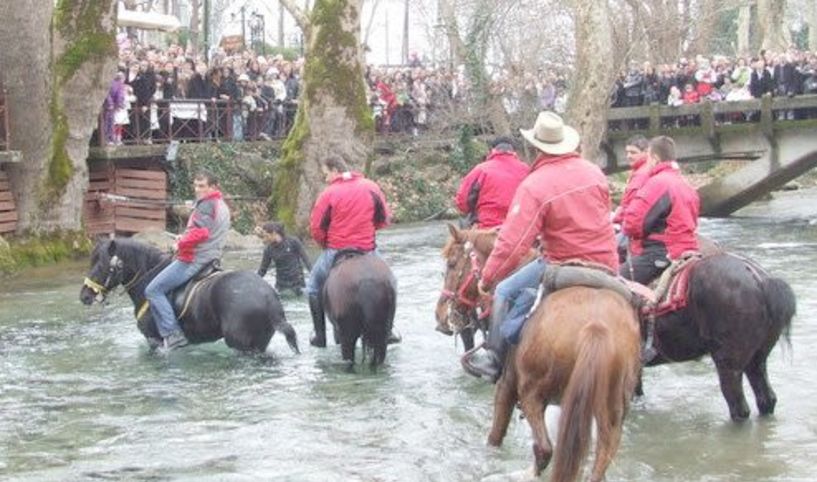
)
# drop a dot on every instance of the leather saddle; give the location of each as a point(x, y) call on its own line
point(347, 254)
point(182, 295)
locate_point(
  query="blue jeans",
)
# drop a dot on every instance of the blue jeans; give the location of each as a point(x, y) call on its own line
point(320, 271)
point(174, 275)
point(519, 291)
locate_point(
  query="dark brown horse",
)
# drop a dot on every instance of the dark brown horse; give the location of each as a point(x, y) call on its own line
point(736, 313)
point(580, 349)
point(360, 298)
point(459, 307)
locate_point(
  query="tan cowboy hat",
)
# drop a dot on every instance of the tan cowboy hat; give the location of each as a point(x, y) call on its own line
point(551, 136)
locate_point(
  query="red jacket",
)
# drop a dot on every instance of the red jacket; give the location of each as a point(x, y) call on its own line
point(348, 212)
point(494, 182)
point(664, 211)
point(639, 174)
point(565, 200)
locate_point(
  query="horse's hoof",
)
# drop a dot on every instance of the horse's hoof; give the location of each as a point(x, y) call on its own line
point(393, 339)
point(444, 330)
point(318, 341)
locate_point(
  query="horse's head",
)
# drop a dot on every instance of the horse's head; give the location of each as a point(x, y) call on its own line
point(464, 254)
point(106, 272)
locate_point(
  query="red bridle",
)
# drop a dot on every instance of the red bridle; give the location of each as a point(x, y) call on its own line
point(460, 296)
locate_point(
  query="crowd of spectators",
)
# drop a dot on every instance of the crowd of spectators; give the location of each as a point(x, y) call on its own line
point(171, 93)
point(717, 79)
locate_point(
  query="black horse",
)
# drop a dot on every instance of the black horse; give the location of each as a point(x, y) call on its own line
point(236, 305)
point(736, 313)
point(360, 299)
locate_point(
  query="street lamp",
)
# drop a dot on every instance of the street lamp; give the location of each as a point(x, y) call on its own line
point(257, 31)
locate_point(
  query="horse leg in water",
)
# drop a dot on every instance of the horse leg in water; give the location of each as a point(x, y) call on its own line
point(533, 406)
point(756, 373)
point(731, 380)
point(505, 399)
point(467, 336)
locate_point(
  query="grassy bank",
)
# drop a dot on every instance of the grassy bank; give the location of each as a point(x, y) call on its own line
point(20, 252)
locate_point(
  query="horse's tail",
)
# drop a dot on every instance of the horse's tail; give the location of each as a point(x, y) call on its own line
point(586, 396)
point(781, 304)
point(377, 321)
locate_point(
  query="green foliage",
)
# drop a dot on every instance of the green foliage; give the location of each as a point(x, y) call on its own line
point(35, 250)
point(468, 152)
point(87, 46)
point(725, 34)
point(415, 190)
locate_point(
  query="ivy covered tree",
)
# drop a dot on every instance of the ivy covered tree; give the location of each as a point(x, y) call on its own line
point(57, 64)
point(333, 115)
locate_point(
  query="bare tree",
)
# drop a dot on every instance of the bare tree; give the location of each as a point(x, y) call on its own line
point(333, 116)
point(812, 26)
point(56, 85)
point(593, 75)
point(770, 23)
point(744, 27)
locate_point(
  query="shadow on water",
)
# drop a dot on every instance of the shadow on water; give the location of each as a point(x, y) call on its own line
point(82, 398)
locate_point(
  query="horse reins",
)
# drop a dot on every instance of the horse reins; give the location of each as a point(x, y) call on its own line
point(102, 288)
point(472, 275)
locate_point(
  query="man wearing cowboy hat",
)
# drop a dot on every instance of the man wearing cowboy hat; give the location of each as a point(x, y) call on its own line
point(565, 200)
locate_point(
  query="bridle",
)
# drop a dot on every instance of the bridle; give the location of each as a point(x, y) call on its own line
point(102, 289)
point(469, 274)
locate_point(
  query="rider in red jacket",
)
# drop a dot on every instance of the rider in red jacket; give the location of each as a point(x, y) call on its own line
point(565, 201)
point(636, 151)
point(485, 193)
point(662, 218)
point(346, 215)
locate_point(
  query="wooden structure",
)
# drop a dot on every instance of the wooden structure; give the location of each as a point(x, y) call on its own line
point(123, 199)
point(8, 211)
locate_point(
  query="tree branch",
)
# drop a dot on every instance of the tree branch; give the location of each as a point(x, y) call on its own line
point(299, 15)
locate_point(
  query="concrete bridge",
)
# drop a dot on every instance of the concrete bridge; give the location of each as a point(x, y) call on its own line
point(776, 136)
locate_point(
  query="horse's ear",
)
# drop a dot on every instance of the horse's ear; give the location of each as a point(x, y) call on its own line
point(455, 232)
point(112, 248)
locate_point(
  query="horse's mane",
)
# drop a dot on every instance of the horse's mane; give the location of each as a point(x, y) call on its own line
point(482, 239)
point(140, 256)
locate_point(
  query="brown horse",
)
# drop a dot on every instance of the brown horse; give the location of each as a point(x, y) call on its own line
point(360, 297)
point(465, 254)
point(580, 348)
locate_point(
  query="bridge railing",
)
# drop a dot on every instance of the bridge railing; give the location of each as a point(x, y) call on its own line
point(194, 120)
point(4, 121)
point(709, 116)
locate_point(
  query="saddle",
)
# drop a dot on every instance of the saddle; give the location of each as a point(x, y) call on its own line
point(182, 295)
point(672, 287)
point(347, 254)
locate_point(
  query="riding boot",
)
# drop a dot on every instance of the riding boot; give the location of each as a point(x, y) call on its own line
point(488, 363)
point(318, 322)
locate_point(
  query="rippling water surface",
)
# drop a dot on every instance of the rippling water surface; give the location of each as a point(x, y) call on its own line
point(81, 398)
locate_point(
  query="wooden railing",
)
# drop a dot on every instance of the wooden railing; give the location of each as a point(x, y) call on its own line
point(708, 117)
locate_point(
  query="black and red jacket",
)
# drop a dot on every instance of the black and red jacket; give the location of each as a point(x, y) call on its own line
point(663, 212)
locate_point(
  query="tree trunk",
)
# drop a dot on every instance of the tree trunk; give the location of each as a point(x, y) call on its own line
point(56, 85)
point(771, 25)
point(333, 116)
point(195, 7)
point(589, 97)
point(744, 28)
point(705, 23)
point(812, 27)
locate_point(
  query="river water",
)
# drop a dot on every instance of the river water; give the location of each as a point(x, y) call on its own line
point(81, 398)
